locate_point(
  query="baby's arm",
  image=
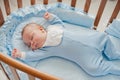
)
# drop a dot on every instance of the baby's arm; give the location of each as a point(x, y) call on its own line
point(47, 16)
point(35, 55)
point(29, 55)
point(53, 19)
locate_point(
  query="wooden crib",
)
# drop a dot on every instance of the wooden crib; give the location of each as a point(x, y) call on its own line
point(32, 72)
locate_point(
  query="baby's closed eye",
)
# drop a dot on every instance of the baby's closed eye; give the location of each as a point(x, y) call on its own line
point(28, 44)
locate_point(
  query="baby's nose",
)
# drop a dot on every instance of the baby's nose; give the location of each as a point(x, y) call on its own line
point(31, 42)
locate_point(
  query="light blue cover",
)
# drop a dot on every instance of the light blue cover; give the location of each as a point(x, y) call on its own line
point(54, 65)
point(114, 28)
point(80, 74)
point(72, 15)
point(112, 49)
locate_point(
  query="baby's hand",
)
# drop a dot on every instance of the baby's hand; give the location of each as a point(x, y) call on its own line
point(16, 53)
point(47, 15)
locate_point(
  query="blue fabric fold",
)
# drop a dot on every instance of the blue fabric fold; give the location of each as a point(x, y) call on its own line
point(114, 28)
point(72, 15)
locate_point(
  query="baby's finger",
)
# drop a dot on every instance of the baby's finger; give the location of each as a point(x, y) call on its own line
point(46, 13)
point(13, 55)
point(15, 50)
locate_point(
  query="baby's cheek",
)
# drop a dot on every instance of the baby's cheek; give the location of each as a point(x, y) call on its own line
point(36, 39)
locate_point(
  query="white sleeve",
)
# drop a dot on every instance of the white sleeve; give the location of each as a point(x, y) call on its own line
point(23, 55)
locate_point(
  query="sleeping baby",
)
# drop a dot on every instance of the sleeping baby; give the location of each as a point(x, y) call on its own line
point(56, 40)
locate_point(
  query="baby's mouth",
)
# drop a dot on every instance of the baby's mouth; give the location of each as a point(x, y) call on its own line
point(36, 45)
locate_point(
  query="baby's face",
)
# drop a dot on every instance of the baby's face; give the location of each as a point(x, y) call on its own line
point(34, 36)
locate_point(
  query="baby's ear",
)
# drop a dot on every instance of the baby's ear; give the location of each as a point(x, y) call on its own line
point(41, 28)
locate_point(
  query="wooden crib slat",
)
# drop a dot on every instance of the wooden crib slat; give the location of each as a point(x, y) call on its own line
point(87, 5)
point(2, 68)
point(16, 77)
point(115, 12)
point(32, 2)
point(59, 0)
point(1, 18)
point(31, 77)
point(73, 3)
point(45, 2)
point(25, 68)
point(99, 13)
point(7, 6)
point(19, 2)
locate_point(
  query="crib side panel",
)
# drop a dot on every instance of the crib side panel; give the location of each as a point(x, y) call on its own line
point(73, 4)
point(25, 68)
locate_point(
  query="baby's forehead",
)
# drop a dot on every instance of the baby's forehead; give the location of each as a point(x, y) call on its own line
point(27, 28)
point(31, 26)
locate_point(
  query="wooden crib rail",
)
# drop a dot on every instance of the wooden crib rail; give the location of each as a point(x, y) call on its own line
point(25, 68)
